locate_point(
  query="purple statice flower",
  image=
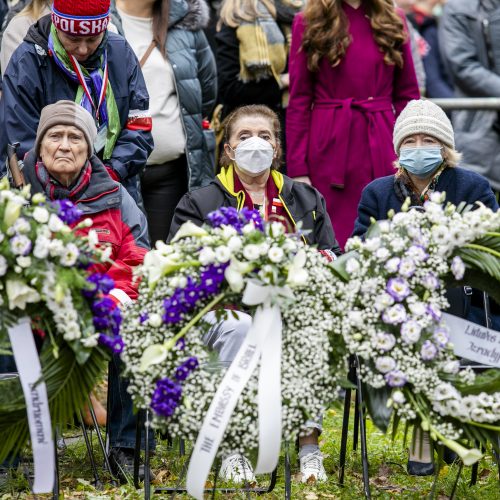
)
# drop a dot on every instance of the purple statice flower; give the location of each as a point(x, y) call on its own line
point(457, 268)
point(20, 245)
point(434, 312)
point(430, 281)
point(410, 332)
point(143, 317)
point(186, 368)
point(67, 211)
point(407, 267)
point(98, 283)
point(398, 289)
point(395, 378)
point(441, 337)
point(428, 351)
point(216, 218)
point(394, 315)
point(102, 307)
point(417, 253)
point(166, 397)
point(115, 344)
point(181, 344)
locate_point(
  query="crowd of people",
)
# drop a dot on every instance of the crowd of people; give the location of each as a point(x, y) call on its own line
point(164, 110)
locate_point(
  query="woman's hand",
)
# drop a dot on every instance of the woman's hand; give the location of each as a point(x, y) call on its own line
point(303, 178)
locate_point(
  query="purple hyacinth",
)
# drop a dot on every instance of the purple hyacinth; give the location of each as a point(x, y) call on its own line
point(181, 344)
point(67, 211)
point(428, 351)
point(143, 317)
point(102, 322)
point(115, 344)
point(395, 378)
point(193, 293)
point(211, 278)
point(166, 397)
point(398, 289)
point(229, 216)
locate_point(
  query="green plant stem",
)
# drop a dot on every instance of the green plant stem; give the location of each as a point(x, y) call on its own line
point(484, 426)
point(496, 235)
point(197, 318)
point(482, 249)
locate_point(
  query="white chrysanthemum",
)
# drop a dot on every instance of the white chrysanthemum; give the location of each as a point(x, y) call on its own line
point(275, 254)
point(41, 215)
point(222, 254)
point(251, 252)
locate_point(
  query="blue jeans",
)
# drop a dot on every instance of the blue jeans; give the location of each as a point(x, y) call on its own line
point(122, 420)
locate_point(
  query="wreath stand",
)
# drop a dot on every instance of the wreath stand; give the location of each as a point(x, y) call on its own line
point(143, 419)
point(359, 426)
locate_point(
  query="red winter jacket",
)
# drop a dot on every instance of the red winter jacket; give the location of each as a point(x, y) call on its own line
point(117, 221)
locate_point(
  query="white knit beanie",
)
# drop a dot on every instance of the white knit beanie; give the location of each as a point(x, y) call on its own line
point(423, 117)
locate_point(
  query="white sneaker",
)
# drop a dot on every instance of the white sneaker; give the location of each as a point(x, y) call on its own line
point(311, 467)
point(237, 468)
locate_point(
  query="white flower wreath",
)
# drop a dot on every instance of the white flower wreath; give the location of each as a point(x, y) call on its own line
point(169, 367)
point(389, 306)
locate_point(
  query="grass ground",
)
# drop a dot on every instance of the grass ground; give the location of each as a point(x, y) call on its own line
point(388, 477)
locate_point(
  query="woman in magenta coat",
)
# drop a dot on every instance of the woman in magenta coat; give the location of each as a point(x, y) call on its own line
point(351, 74)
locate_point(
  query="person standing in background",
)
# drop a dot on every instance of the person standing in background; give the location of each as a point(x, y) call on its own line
point(72, 55)
point(423, 16)
point(180, 73)
point(351, 74)
point(17, 27)
point(469, 37)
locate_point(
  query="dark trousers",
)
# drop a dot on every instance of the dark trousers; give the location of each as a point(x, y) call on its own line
point(162, 187)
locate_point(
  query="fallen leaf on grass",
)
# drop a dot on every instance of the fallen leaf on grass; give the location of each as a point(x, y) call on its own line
point(162, 476)
point(484, 473)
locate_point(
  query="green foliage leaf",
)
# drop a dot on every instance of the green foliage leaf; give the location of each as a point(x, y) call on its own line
point(338, 265)
point(376, 404)
point(488, 381)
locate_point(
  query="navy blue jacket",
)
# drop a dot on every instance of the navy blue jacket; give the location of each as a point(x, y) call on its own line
point(33, 80)
point(459, 184)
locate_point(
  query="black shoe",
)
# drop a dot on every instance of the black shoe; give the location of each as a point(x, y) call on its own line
point(121, 461)
point(420, 468)
point(449, 456)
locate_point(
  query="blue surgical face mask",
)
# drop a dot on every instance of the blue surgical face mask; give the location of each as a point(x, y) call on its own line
point(421, 162)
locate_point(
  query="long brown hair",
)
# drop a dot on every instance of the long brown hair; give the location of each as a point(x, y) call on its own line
point(161, 10)
point(327, 31)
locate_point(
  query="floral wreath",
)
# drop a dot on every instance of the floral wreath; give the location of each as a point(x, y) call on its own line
point(388, 307)
point(207, 269)
point(44, 275)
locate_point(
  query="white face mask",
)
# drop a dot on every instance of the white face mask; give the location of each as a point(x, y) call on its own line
point(254, 156)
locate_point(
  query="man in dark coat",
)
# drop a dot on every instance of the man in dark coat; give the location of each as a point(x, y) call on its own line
point(72, 56)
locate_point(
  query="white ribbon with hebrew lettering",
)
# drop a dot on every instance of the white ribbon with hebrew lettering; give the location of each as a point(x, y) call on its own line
point(473, 341)
point(263, 341)
point(37, 404)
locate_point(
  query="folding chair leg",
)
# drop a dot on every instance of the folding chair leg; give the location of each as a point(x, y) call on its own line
point(97, 481)
point(452, 494)
point(137, 451)
point(147, 470)
point(182, 447)
point(362, 427)
point(102, 445)
point(55, 490)
point(345, 431)
point(356, 425)
point(288, 474)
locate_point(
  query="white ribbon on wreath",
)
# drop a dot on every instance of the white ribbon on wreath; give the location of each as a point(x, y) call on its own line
point(263, 342)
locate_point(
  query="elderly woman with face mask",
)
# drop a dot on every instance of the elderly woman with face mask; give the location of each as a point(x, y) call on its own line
point(249, 178)
point(427, 162)
point(63, 165)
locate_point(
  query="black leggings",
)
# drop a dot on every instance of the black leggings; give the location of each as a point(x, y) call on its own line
point(162, 187)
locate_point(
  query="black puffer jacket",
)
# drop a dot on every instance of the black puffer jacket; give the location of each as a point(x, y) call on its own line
point(195, 74)
point(303, 203)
